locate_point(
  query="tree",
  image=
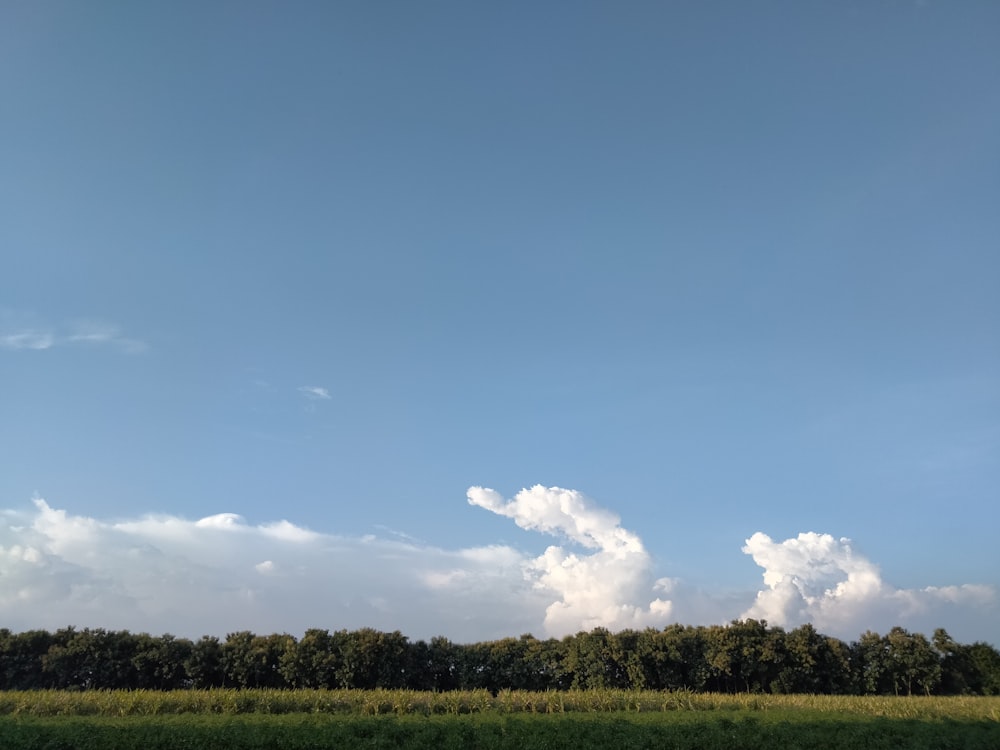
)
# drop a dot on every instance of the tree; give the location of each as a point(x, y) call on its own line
point(92, 659)
point(504, 664)
point(547, 671)
point(745, 655)
point(761, 653)
point(370, 658)
point(912, 663)
point(720, 657)
point(595, 661)
point(801, 673)
point(742, 656)
point(204, 666)
point(814, 663)
point(443, 664)
point(681, 658)
point(161, 662)
point(869, 665)
point(312, 662)
point(21, 659)
point(985, 672)
point(254, 661)
point(835, 666)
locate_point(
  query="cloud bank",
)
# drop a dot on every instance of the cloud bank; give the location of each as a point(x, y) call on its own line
point(218, 574)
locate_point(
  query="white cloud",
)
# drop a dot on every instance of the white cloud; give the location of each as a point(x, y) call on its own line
point(220, 573)
point(15, 335)
point(162, 573)
point(27, 340)
point(610, 587)
point(220, 521)
point(315, 392)
point(819, 579)
point(95, 333)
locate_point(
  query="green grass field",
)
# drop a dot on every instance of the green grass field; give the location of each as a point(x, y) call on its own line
point(230, 719)
point(680, 730)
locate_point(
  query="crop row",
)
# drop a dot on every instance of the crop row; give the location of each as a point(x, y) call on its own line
point(122, 703)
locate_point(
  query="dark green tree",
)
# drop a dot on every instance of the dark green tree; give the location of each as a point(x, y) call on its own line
point(204, 666)
point(254, 661)
point(814, 663)
point(311, 662)
point(985, 671)
point(370, 658)
point(161, 662)
point(870, 665)
point(92, 659)
point(595, 660)
point(443, 664)
point(912, 663)
point(21, 660)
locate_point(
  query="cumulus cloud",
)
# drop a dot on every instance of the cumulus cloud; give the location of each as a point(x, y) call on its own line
point(822, 580)
point(608, 587)
point(220, 573)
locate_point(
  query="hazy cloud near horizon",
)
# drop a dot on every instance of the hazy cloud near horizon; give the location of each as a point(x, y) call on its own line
point(161, 573)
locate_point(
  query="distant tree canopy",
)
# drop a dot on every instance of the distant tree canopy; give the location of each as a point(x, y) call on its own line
point(744, 656)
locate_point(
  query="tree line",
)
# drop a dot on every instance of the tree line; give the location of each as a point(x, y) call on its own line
point(743, 656)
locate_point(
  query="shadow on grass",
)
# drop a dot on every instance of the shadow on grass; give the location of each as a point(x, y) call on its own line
point(676, 731)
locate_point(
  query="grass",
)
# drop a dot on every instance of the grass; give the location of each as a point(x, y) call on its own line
point(734, 730)
point(321, 719)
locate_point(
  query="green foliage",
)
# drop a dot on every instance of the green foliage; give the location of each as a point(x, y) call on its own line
point(743, 657)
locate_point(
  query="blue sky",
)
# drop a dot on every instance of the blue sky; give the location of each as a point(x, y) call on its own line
point(718, 268)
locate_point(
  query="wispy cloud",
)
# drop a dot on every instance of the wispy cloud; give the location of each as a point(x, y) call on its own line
point(95, 333)
point(29, 339)
point(162, 573)
point(315, 393)
point(83, 333)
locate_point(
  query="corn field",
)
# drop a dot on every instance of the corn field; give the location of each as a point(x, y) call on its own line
point(123, 703)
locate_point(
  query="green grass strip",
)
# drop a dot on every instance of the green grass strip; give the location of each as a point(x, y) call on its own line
point(735, 730)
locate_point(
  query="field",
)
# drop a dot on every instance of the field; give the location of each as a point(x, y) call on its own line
point(319, 719)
